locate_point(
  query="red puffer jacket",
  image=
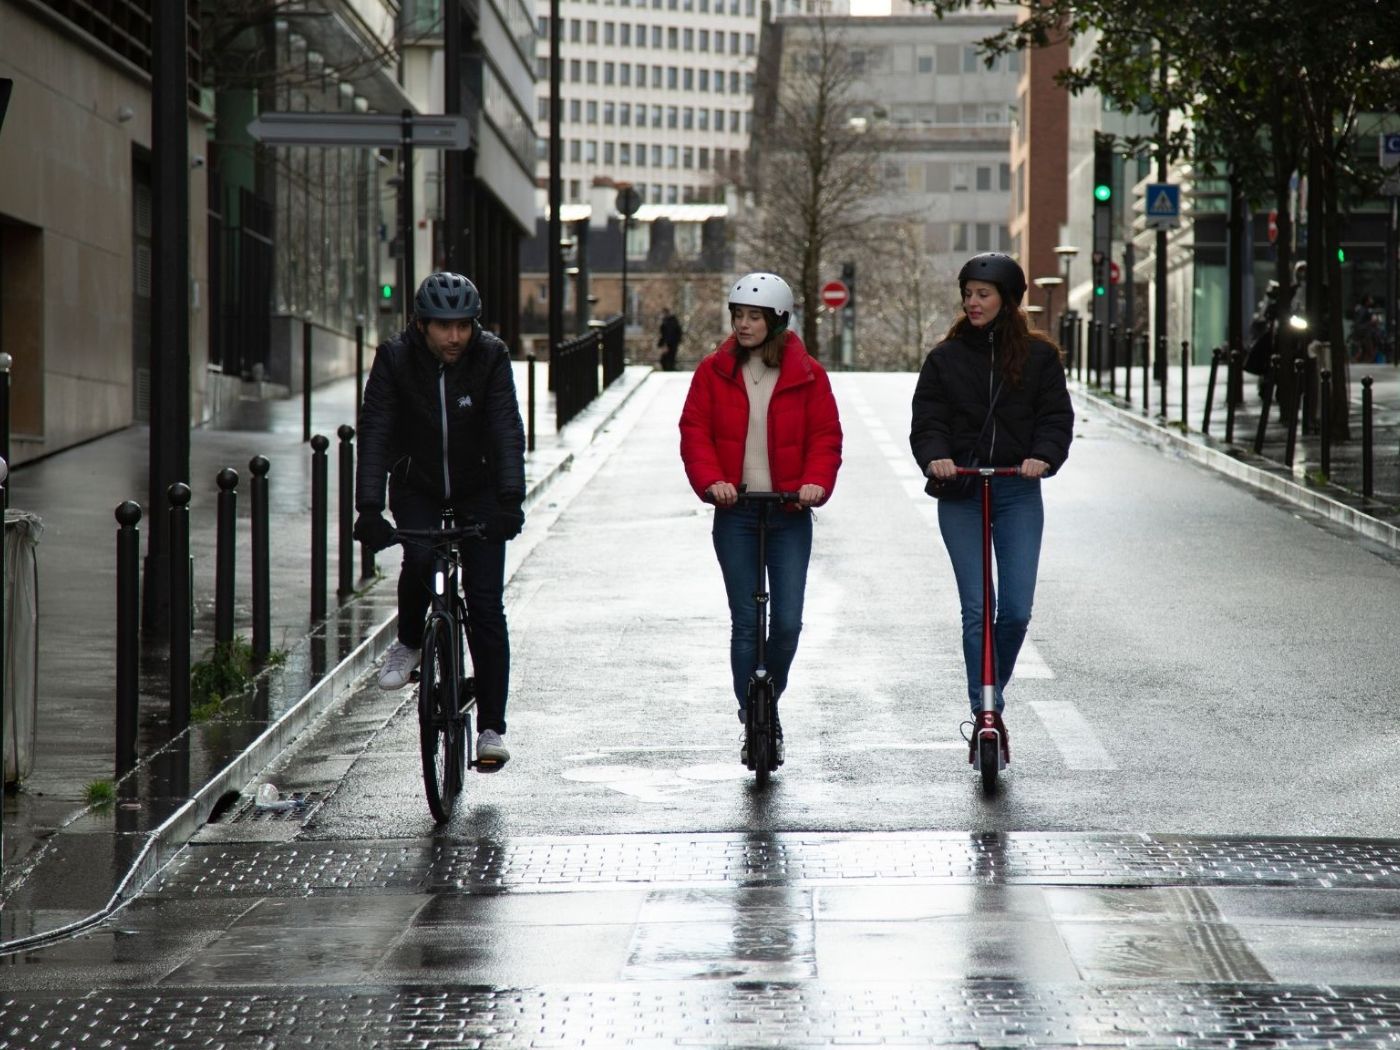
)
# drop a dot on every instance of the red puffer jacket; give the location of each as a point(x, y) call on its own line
point(804, 428)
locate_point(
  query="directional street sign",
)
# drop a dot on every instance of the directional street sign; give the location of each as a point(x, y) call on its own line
point(1163, 204)
point(834, 294)
point(370, 130)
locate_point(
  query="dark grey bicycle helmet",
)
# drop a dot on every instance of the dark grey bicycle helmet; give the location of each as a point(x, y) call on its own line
point(999, 269)
point(446, 297)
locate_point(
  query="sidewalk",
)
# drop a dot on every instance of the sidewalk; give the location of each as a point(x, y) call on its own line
point(1338, 497)
point(64, 861)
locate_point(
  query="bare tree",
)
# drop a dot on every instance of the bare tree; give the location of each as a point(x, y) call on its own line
point(906, 302)
point(815, 168)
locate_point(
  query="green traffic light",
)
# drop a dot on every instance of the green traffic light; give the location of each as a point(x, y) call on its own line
point(386, 291)
point(1102, 192)
point(1098, 289)
point(1341, 256)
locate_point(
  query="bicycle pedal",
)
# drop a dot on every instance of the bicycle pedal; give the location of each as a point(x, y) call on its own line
point(487, 765)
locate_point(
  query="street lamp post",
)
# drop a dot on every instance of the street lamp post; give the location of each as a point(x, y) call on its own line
point(1066, 252)
point(1048, 286)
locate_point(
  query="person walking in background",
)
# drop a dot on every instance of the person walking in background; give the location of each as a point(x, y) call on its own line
point(992, 394)
point(760, 413)
point(441, 421)
point(670, 340)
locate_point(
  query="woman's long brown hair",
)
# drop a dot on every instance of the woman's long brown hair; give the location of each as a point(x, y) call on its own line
point(1014, 336)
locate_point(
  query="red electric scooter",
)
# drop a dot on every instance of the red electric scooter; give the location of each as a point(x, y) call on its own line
point(991, 752)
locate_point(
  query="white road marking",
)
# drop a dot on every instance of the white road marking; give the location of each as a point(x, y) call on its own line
point(1077, 742)
point(1030, 664)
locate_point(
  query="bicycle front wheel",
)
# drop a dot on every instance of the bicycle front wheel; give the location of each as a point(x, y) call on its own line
point(439, 732)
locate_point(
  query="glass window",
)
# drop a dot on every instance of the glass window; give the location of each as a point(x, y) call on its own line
point(656, 116)
point(624, 74)
point(748, 43)
point(656, 76)
point(672, 117)
point(984, 237)
point(575, 31)
point(748, 83)
point(704, 80)
point(688, 157)
point(542, 108)
point(575, 150)
point(592, 70)
point(673, 194)
point(608, 153)
point(639, 238)
point(984, 178)
point(970, 60)
point(672, 156)
point(624, 114)
point(703, 117)
point(543, 27)
point(734, 121)
point(719, 81)
point(673, 37)
point(672, 78)
point(734, 82)
point(592, 31)
point(575, 110)
point(962, 177)
point(688, 40)
point(959, 238)
point(1003, 238)
point(609, 32)
point(688, 118)
point(688, 239)
point(656, 37)
point(704, 40)
point(641, 35)
point(1004, 177)
point(656, 156)
point(609, 113)
point(688, 79)
point(609, 73)
point(704, 158)
point(925, 63)
point(734, 40)
point(624, 153)
point(590, 152)
point(625, 34)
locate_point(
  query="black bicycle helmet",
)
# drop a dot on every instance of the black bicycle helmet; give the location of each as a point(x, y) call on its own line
point(446, 297)
point(999, 269)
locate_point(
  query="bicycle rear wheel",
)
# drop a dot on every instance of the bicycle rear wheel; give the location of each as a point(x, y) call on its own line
point(440, 736)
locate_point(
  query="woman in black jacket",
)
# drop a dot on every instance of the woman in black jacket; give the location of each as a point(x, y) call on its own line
point(993, 394)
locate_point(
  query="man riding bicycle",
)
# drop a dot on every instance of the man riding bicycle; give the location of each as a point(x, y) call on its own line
point(441, 421)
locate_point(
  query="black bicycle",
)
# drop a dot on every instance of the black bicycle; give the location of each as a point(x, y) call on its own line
point(760, 740)
point(446, 692)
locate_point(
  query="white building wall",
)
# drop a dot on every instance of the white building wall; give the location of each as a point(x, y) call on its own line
point(658, 94)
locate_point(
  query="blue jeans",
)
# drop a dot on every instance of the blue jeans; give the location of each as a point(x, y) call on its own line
point(788, 551)
point(1018, 519)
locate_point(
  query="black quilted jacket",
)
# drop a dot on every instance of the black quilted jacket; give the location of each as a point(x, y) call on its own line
point(956, 384)
point(411, 399)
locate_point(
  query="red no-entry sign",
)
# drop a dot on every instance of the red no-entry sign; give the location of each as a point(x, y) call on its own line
point(835, 295)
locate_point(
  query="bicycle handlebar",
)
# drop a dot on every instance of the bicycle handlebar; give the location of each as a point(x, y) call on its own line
point(473, 531)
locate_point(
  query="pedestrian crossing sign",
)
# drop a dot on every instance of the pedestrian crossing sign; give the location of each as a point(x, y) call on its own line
point(1163, 202)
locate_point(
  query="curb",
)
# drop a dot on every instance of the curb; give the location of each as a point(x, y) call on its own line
point(174, 834)
point(1222, 462)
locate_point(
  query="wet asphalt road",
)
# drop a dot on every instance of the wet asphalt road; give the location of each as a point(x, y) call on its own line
point(1172, 859)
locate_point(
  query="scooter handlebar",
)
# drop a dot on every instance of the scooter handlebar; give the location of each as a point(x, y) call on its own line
point(760, 497)
point(989, 472)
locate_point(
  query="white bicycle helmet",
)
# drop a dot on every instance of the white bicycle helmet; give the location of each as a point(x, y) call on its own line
point(763, 289)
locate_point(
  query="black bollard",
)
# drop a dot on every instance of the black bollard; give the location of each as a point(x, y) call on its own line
point(530, 402)
point(1162, 370)
point(1096, 350)
point(181, 616)
point(1326, 378)
point(1128, 365)
point(1294, 407)
point(262, 588)
point(226, 522)
point(306, 380)
point(346, 561)
point(1215, 356)
point(1230, 401)
point(5, 362)
point(1266, 390)
point(319, 444)
point(1367, 459)
point(1146, 375)
point(1185, 381)
point(128, 517)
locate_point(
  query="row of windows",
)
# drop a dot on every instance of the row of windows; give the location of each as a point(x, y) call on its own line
point(677, 118)
point(971, 237)
point(939, 176)
point(660, 193)
point(642, 155)
point(671, 38)
point(747, 8)
point(963, 114)
point(668, 78)
point(903, 60)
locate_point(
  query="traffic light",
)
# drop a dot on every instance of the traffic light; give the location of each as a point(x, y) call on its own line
point(1103, 168)
point(387, 298)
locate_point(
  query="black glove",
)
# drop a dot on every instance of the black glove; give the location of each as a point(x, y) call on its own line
point(373, 530)
point(508, 519)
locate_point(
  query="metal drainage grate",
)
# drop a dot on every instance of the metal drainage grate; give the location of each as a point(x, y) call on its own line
point(247, 810)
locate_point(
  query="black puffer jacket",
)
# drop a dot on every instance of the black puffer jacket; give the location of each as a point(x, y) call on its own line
point(410, 396)
point(1033, 419)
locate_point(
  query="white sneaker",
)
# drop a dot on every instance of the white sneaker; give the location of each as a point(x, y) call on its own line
point(399, 662)
point(491, 753)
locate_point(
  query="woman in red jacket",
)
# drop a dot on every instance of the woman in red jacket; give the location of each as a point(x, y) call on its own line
point(760, 413)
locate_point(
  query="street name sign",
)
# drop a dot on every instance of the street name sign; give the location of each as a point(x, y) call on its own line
point(368, 130)
point(1163, 206)
point(834, 294)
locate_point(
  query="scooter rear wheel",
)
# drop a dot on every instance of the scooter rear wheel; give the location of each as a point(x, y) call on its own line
point(988, 761)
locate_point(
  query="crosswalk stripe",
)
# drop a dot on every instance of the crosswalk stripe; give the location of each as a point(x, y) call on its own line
point(1076, 740)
